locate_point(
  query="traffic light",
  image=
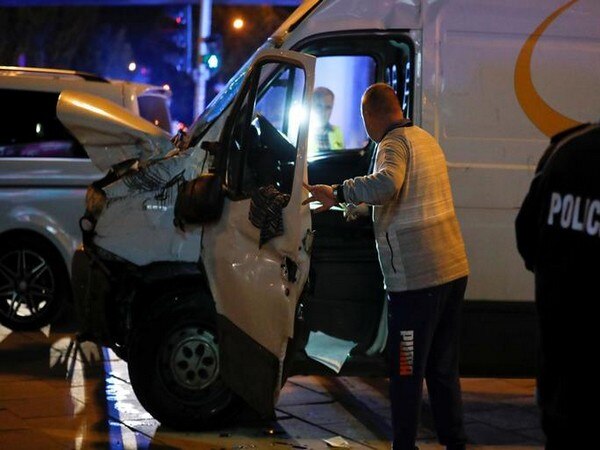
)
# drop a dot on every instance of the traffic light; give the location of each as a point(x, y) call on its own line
point(211, 56)
point(176, 26)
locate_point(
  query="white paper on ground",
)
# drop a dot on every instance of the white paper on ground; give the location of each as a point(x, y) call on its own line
point(328, 350)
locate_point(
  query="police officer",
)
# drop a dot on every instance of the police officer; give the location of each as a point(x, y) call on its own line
point(558, 236)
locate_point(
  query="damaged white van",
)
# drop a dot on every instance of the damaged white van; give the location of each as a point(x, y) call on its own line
point(202, 269)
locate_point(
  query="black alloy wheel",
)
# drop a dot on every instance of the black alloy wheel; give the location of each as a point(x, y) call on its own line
point(33, 284)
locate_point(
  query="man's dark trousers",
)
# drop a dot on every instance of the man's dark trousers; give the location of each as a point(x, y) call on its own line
point(424, 327)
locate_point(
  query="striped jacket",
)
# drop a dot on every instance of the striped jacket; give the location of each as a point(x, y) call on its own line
point(418, 236)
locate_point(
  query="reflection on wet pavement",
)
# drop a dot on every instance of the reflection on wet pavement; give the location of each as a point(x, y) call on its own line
point(58, 394)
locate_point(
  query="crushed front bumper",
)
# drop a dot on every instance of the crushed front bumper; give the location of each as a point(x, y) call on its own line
point(92, 287)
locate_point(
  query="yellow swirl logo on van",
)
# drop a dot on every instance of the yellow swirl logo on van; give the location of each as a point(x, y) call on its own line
point(543, 116)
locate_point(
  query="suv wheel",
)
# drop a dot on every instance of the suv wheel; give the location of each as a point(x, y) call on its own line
point(33, 284)
point(174, 370)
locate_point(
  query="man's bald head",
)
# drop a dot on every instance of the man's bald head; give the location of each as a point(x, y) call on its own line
point(380, 110)
point(381, 99)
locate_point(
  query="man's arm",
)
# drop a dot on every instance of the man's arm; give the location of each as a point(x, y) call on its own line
point(375, 189)
point(382, 186)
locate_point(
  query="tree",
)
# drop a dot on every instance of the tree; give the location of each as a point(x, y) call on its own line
point(238, 45)
point(45, 37)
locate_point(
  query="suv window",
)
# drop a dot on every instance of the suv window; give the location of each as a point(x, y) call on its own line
point(155, 109)
point(32, 129)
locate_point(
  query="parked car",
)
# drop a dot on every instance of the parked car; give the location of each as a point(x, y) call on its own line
point(201, 267)
point(44, 173)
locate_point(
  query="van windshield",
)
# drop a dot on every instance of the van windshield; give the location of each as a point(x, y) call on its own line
point(216, 107)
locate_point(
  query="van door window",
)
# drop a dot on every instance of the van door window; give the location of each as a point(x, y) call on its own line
point(281, 103)
point(335, 122)
point(222, 100)
point(346, 65)
point(263, 147)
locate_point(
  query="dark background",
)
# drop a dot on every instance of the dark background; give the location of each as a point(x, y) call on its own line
point(104, 40)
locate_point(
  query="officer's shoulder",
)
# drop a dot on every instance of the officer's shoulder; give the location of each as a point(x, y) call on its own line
point(579, 140)
point(569, 132)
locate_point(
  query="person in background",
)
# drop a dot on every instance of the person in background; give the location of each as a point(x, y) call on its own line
point(424, 263)
point(558, 236)
point(323, 135)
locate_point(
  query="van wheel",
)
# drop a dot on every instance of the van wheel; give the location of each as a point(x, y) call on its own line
point(174, 370)
point(34, 285)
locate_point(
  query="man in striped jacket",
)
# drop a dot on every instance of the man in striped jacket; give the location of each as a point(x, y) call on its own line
point(423, 259)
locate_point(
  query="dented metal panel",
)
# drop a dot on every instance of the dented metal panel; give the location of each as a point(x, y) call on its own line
point(110, 133)
point(137, 222)
point(251, 284)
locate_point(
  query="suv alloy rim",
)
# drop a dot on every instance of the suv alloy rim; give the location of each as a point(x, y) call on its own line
point(27, 285)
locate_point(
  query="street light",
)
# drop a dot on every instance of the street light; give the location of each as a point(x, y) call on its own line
point(238, 23)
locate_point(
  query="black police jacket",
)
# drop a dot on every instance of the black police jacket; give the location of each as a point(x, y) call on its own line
point(558, 225)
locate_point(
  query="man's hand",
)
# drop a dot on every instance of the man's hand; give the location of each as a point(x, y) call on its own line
point(321, 193)
point(353, 212)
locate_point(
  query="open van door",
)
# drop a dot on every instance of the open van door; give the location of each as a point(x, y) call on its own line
point(256, 256)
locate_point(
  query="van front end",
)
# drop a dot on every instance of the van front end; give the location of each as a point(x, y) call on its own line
point(158, 316)
point(138, 283)
point(131, 250)
point(161, 319)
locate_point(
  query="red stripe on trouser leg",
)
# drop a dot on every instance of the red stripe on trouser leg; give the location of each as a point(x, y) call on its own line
point(406, 352)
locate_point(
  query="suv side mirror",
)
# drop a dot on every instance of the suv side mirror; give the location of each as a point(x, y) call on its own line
point(199, 201)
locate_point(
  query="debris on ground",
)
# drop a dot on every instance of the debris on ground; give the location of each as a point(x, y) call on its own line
point(337, 442)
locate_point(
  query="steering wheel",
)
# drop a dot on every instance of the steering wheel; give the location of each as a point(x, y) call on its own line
point(275, 141)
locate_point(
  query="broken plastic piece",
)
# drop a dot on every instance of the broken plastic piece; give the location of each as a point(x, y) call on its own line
point(328, 350)
point(337, 442)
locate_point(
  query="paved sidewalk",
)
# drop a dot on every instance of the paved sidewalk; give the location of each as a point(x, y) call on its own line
point(55, 394)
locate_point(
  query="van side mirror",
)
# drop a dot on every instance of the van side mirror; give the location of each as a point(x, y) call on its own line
point(199, 201)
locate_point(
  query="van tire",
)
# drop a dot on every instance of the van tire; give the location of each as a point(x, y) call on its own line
point(162, 352)
point(32, 273)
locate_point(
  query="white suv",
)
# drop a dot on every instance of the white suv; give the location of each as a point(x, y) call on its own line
point(44, 173)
